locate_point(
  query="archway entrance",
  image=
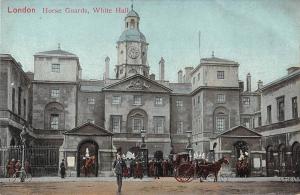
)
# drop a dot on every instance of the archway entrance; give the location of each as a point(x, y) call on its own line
point(87, 159)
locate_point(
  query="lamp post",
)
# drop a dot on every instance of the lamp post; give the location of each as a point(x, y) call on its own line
point(23, 139)
point(189, 147)
point(144, 151)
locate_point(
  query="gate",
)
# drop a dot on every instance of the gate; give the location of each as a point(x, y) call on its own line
point(44, 160)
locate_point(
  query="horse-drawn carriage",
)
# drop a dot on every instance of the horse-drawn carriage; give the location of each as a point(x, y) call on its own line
point(185, 170)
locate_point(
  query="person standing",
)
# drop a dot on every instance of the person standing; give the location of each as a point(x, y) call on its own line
point(62, 169)
point(119, 164)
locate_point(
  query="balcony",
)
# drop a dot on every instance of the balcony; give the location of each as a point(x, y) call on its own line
point(279, 125)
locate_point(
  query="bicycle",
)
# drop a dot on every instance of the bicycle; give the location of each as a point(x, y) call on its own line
point(22, 175)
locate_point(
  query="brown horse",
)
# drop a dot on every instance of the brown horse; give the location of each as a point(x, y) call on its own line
point(242, 168)
point(205, 169)
point(88, 165)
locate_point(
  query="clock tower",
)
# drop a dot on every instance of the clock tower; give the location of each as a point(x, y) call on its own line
point(132, 49)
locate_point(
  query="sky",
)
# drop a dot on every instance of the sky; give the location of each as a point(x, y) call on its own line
point(263, 36)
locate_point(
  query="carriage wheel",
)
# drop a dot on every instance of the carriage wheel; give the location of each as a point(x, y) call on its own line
point(184, 173)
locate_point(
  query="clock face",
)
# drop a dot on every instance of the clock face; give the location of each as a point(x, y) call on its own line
point(133, 52)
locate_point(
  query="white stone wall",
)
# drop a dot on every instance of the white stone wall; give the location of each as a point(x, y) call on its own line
point(43, 69)
point(287, 89)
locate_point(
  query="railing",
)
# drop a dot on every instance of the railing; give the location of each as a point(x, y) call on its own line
point(12, 116)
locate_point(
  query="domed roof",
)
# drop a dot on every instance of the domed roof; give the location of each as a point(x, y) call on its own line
point(132, 13)
point(132, 35)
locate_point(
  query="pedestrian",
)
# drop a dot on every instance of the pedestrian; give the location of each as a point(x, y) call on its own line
point(62, 168)
point(156, 168)
point(119, 164)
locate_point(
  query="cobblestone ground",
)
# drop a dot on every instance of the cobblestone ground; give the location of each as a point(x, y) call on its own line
point(163, 186)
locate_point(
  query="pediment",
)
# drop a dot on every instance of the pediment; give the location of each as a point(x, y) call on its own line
point(239, 131)
point(89, 129)
point(138, 83)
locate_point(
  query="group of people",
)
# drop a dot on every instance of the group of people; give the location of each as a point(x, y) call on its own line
point(14, 166)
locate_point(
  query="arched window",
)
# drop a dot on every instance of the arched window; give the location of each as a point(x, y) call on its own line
point(54, 116)
point(137, 120)
point(281, 153)
point(221, 123)
point(132, 25)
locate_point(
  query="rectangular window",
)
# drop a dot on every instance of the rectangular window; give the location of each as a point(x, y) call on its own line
point(220, 98)
point(116, 123)
point(220, 124)
point(280, 108)
point(55, 68)
point(159, 124)
point(294, 107)
point(179, 127)
point(246, 100)
point(198, 99)
point(269, 114)
point(198, 76)
point(158, 101)
point(137, 100)
point(137, 125)
point(116, 100)
point(179, 103)
point(259, 121)
point(55, 93)
point(54, 121)
point(13, 101)
point(220, 74)
point(91, 121)
point(91, 100)
point(194, 80)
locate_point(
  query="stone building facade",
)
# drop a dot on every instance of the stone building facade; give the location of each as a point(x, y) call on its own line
point(94, 117)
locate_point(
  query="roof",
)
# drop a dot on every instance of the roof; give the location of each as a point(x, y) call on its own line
point(91, 85)
point(214, 60)
point(95, 130)
point(132, 35)
point(57, 52)
point(282, 79)
point(137, 76)
point(241, 127)
point(181, 88)
point(132, 13)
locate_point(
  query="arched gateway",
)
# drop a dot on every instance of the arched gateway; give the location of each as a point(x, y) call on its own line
point(88, 151)
point(87, 159)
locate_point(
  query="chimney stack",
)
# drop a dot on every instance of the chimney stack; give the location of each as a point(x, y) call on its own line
point(106, 75)
point(187, 75)
point(162, 69)
point(152, 77)
point(248, 82)
point(259, 84)
point(180, 76)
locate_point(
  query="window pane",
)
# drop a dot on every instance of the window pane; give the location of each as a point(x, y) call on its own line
point(158, 101)
point(137, 100)
point(91, 100)
point(116, 100)
point(246, 100)
point(220, 74)
point(179, 103)
point(220, 98)
point(159, 124)
point(55, 93)
point(294, 107)
point(180, 127)
point(137, 125)
point(54, 121)
point(280, 108)
point(220, 124)
point(55, 68)
point(116, 123)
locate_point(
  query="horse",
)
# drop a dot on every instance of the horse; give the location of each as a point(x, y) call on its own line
point(204, 169)
point(242, 168)
point(88, 164)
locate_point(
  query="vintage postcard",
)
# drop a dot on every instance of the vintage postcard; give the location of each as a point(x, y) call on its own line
point(149, 97)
